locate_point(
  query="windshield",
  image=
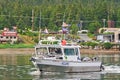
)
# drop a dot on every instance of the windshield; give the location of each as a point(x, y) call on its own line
point(71, 51)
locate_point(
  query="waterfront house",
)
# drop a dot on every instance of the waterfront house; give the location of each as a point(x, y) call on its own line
point(109, 35)
point(8, 36)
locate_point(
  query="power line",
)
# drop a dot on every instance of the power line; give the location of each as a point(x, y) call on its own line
point(44, 18)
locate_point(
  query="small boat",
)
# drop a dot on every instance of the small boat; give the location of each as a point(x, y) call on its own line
point(53, 55)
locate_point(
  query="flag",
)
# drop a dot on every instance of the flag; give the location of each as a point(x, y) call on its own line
point(46, 31)
point(64, 30)
point(65, 24)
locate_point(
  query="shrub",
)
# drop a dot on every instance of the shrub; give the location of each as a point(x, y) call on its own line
point(92, 44)
point(107, 45)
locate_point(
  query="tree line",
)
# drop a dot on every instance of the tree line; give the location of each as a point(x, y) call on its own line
point(28, 14)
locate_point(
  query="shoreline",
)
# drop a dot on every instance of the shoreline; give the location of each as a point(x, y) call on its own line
point(17, 51)
point(31, 51)
point(99, 51)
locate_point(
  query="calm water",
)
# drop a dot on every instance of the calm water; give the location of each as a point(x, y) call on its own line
point(18, 67)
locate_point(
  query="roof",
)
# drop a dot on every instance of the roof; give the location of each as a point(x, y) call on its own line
point(9, 33)
point(110, 29)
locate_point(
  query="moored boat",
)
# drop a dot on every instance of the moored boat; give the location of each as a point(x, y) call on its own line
point(53, 55)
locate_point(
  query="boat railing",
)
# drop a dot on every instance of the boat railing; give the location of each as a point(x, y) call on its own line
point(49, 42)
point(71, 44)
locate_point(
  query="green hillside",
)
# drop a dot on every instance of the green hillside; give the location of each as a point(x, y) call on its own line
point(26, 39)
point(32, 14)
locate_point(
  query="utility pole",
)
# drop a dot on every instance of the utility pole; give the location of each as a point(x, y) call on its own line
point(39, 27)
point(81, 24)
point(32, 20)
point(104, 22)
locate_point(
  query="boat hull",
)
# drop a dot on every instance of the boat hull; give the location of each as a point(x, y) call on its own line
point(67, 66)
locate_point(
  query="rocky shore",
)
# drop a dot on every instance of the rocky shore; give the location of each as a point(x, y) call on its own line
point(31, 50)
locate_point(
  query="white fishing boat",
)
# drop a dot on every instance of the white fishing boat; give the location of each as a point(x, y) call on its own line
point(53, 55)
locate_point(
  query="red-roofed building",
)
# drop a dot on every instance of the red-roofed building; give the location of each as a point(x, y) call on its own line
point(8, 36)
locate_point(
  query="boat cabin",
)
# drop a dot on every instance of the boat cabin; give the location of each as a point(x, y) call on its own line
point(55, 50)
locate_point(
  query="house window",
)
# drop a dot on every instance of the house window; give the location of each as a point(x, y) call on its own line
point(10, 37)
point(6, 37)
point(1, 36)
point(14, 37)
point(119, 37)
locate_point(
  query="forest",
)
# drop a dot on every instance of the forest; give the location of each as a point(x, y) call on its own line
point(80, 14)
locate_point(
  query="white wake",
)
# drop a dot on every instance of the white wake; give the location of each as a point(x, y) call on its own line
point(111, 69)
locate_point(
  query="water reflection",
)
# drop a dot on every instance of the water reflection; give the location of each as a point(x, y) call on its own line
point(67, 76)
point(18, 67)
point(12, 72)
point(14, 67)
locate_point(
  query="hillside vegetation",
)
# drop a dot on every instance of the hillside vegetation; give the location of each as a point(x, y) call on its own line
point(51, 13)
point(26, 39)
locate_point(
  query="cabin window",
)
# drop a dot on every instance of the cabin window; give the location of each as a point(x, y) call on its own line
point(41, 51)
point(51, 50)
point(14, 37)
point(56, 51)
point(69, 51)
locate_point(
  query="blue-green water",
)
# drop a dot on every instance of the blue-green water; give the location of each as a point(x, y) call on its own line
point(18, 67)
